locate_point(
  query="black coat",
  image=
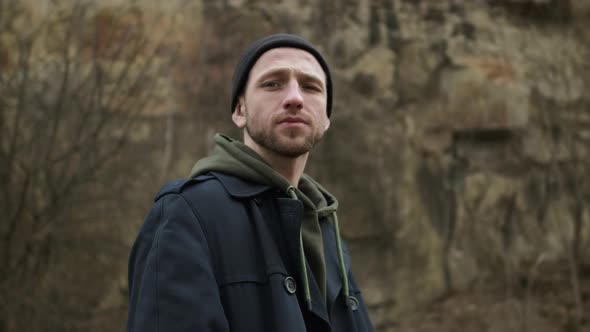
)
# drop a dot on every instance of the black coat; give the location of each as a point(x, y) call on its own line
point(217, 253)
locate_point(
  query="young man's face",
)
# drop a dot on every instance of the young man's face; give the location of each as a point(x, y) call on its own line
point(283, 108)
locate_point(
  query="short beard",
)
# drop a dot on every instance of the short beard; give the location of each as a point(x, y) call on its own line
point(272, 142)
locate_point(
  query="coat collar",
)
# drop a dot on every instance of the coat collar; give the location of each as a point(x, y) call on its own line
point(238, 187)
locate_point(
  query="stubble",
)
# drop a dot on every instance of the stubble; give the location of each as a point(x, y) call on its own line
point(285, 145)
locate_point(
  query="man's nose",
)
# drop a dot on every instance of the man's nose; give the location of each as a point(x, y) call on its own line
point(293, 99)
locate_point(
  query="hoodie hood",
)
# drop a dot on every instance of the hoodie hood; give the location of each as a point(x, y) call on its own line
point(233, 157)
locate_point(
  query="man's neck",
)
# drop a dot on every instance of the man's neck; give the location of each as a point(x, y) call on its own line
point(291, 168)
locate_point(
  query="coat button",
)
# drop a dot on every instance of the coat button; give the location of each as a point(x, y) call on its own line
point(290, 285)
point(353, 303)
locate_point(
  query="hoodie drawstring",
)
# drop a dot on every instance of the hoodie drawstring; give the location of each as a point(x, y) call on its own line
point(304, 269)
point(293, 195)
point(341, 259)
point(307, 292)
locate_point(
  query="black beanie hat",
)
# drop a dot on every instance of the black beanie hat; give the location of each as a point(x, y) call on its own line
point(262, 45)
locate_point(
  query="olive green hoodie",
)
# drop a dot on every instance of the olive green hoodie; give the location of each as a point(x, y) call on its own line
point(235, 158)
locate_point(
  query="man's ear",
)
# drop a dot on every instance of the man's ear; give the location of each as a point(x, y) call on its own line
point(239, 115)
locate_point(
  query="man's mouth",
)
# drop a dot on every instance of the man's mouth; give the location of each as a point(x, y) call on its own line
point(292, 120)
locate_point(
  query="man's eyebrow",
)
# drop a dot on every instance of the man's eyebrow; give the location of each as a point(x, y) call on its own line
point(313, 78)
point(283, 71)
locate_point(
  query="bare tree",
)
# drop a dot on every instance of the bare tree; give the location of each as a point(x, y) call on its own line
point(73, 80)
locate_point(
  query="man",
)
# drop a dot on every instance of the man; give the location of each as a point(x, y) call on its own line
point(249, 242)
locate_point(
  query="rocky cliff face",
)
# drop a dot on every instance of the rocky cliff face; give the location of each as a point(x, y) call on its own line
point(458, 149)
point(461, 128)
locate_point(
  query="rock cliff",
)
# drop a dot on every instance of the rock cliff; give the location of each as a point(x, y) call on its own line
point(458, 149)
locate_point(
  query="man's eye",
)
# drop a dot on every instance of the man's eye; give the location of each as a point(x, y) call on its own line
point(312, 87)
point(271, 84)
